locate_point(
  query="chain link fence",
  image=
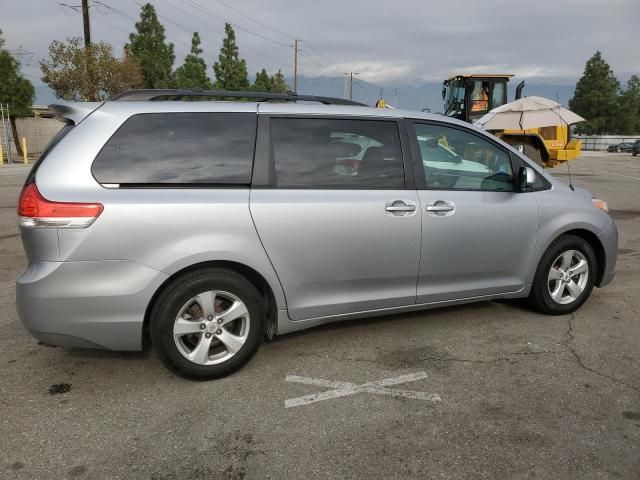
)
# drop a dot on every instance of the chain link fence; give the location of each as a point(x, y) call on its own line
point(601, 142)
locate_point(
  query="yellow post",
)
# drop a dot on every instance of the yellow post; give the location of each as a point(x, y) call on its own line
point(24, 149)
point(1, 156)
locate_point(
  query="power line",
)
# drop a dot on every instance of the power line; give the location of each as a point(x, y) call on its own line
point(212, 14)
point(254, 20)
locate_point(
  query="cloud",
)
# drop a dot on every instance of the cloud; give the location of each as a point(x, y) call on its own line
point(409, 41)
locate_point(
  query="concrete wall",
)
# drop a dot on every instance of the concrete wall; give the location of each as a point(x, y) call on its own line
point(37, 130)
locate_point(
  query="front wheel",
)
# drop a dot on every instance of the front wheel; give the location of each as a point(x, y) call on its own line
point(207, 324)
point(565, 276)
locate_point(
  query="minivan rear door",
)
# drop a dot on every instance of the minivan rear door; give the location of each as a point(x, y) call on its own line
point(333, 207)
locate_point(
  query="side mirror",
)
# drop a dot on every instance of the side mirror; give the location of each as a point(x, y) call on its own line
point(527, 177)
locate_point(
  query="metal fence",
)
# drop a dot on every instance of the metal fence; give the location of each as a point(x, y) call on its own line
point(6, 138)
point(601, 142)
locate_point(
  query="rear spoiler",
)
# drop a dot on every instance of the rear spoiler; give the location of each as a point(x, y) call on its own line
point(73, 113)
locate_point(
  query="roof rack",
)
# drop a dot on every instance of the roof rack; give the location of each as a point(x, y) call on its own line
point(181, 94)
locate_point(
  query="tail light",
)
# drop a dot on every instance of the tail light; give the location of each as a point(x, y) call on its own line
point(36, 211)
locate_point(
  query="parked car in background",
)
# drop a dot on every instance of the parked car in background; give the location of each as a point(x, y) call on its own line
point(621, 147)
point(206, 226)
point(636, 148)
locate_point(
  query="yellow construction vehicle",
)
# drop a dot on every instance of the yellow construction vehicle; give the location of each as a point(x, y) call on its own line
point(468, 97)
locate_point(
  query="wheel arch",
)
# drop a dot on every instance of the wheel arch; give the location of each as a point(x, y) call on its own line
point(535, 139)
point(593, 240)
point(252, 275)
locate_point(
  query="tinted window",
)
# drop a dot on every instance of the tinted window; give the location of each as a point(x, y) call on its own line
point(337, 153)
point(456, 159)
point(179, 148)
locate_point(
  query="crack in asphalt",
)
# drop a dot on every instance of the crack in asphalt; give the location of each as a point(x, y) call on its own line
point(572, 350)
point(568, 343)
point(12, 235)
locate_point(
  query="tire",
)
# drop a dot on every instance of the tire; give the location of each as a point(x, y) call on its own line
point(551, 296)
point(533, 153)
point(193, 317)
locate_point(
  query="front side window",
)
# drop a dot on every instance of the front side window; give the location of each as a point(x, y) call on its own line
point(497, 96)
point(457, 159)
point(336, 153)
point(179, 148)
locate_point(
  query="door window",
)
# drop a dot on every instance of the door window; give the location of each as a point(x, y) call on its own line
point(456, 159)
point(336, 153)
point(497, 96)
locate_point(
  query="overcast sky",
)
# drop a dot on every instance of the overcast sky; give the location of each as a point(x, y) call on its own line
point(402, 41)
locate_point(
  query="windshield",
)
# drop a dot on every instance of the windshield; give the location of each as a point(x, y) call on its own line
point(454, 102)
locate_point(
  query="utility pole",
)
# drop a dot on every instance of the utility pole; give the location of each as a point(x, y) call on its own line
point(350, 77)
point(295, 66)
point(85, 21)
point(395, 98)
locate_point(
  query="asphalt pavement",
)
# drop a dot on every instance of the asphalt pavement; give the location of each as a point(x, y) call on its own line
point(490, 390)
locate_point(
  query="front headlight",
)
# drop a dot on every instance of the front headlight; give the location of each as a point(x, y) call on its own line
point(601, 204)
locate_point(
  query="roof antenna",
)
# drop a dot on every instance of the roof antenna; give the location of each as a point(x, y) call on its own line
point(566, 143)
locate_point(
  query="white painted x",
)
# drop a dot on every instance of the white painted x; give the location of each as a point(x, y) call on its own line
point(343, 389)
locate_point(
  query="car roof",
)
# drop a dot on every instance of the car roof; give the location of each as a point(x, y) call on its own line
point(134, 107)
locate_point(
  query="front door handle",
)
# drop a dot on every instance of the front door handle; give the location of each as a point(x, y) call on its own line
point(399, 207)
point(440, 207)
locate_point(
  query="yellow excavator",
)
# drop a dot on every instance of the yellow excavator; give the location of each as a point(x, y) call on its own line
point(469, 96)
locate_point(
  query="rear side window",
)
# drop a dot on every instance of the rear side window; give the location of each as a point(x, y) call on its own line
point(179, 148)
point(336, 153)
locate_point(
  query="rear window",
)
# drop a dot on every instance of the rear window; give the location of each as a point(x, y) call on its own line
point(179, 148)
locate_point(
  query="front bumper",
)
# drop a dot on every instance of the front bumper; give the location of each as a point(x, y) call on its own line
point(609, 239)
point(94, 304)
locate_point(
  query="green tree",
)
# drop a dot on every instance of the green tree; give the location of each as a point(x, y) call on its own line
point(15, 90)
point(150, 49)
point(630, 108)
point(278, 85)
point(230, 69)
point(263, 82)
point(596, 98)
point(193, 73)
point(76, 73)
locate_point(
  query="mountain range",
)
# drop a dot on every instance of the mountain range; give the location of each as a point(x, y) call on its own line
point(412, 96)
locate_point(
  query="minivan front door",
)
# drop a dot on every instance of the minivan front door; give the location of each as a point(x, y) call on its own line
point(337, 223)
point(478, 234)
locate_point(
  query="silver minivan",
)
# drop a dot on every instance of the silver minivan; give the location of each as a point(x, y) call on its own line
point(205, 226)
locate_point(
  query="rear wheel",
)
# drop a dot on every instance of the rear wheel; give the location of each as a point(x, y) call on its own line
point(565, 276)
point(533, 153)
point(207, 324)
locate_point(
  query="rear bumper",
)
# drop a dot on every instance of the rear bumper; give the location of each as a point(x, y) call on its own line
point(609, 239)
point(94, 304)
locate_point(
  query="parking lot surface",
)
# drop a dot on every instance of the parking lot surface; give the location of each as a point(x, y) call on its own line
point(489, 390)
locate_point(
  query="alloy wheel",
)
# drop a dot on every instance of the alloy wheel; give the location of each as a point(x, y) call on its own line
point(568, 277)
point(211, 327)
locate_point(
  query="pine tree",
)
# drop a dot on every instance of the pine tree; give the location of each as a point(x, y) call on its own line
point(230, 69)
point(15, 90)
point(278, 85)
point(630, 108)
point(263, 82)
point(193, 73)
point(596, 98)
point(148, 46)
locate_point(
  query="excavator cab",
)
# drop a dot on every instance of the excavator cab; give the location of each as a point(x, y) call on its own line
point(468, 97)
